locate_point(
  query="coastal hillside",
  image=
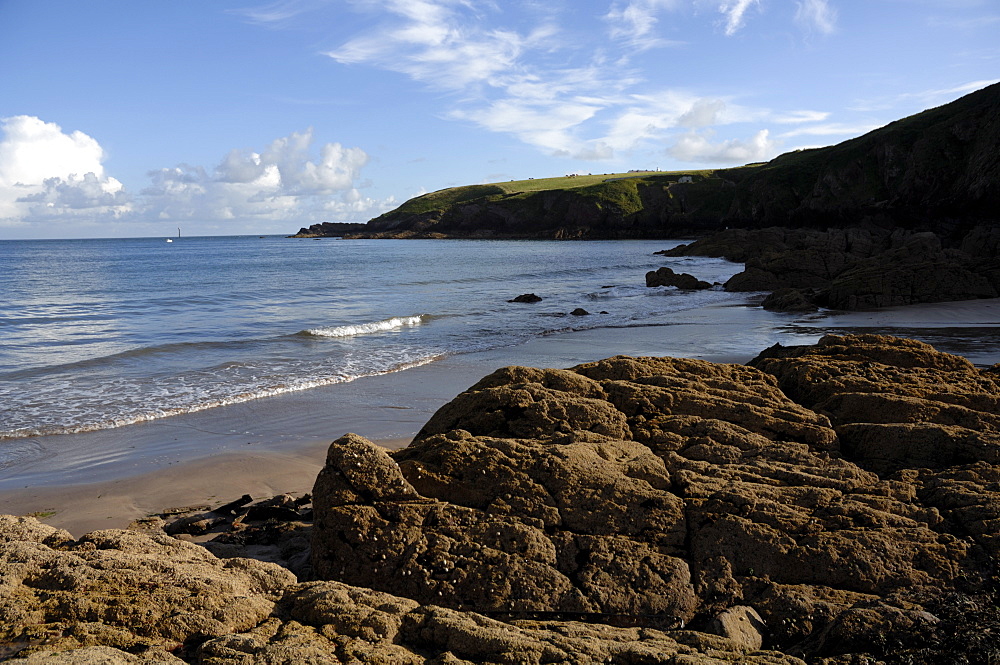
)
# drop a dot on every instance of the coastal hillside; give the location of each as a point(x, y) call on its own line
point(938, 171)
point(647, 204)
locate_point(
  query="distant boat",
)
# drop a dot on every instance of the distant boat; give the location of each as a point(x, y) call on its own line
point(178, 234)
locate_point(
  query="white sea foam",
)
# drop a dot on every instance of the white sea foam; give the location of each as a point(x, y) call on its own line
point(147, 416)
point(385, 325)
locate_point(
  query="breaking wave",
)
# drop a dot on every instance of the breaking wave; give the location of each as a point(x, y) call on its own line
point(385, 325)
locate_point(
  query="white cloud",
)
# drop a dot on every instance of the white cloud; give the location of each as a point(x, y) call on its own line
point(735, 11)
point(545, 86)
point(435, 42)
point(832, 129)
point(45, 173)
point(698, 147)
point(278, 13)
point(816, 15)
point(925, 98)
point(703, 113)
point(795, 117)
point(48, 175)
point(633, 22)
point(285, 180)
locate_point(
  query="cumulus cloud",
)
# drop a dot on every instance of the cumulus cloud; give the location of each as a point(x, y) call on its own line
point(817, 16)
point(703, 112)
point(49, 175)
point(698, 147)
point(287, 179)
point(45, 173)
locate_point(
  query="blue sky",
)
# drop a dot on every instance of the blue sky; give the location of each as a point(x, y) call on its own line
point(224, 117)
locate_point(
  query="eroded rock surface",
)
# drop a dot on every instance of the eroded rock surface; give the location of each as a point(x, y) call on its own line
point(837, 503)
point(840, 491)
point(147, 594)
point(856, 268)
point(123, 597)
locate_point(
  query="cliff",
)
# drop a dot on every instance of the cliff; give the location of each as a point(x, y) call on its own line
point(833, 503)
point(938, 170)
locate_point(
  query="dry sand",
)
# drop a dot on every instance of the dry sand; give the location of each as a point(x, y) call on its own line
point(208, 482)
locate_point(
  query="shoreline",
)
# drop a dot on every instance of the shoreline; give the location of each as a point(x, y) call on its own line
point(108, 478)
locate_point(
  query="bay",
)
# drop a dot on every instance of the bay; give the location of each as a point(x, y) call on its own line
point(99, 334)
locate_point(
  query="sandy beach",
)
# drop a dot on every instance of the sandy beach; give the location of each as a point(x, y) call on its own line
point(108, 478)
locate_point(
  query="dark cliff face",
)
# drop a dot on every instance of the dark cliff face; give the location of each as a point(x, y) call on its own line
point(938, 170)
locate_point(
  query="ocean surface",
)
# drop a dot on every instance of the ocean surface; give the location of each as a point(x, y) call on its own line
point(99, 334)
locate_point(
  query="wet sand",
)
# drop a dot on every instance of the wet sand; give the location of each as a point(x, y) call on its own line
point(106, 479)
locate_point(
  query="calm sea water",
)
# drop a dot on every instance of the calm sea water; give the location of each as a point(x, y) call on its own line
point(103, 333)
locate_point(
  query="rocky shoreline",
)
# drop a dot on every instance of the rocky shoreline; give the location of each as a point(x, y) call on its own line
point(858, 268)
point(833, 503)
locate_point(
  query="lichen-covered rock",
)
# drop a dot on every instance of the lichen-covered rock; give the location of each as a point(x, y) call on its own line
point(653, 488)
point(123, 589)
point(330, 622)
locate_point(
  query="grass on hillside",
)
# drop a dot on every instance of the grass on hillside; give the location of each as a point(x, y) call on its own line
point(572, 182)
point(443, 198)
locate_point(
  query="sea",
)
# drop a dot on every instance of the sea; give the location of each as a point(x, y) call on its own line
point(100, 334)
point(120, 353)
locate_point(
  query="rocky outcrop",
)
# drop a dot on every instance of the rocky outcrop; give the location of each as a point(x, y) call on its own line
point(667, 492)
point(329, 230)
point(123, 597)
point(147, 594)
point(857, 268)
point(666, 277)
point(838, 503)
point(790, 300)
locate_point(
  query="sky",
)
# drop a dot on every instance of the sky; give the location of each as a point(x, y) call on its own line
point(136, 118)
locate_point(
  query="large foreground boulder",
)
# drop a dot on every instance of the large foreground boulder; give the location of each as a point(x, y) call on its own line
point(665, 493)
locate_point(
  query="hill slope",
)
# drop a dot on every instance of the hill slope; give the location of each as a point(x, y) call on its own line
point(938, 170)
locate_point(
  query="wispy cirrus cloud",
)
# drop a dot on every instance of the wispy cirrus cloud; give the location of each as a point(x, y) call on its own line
point(831, 129)
point(587, 101)
point(634, 22)
point(927, 98)
point(816, 16)
point(442, 43)
point(734, 12)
